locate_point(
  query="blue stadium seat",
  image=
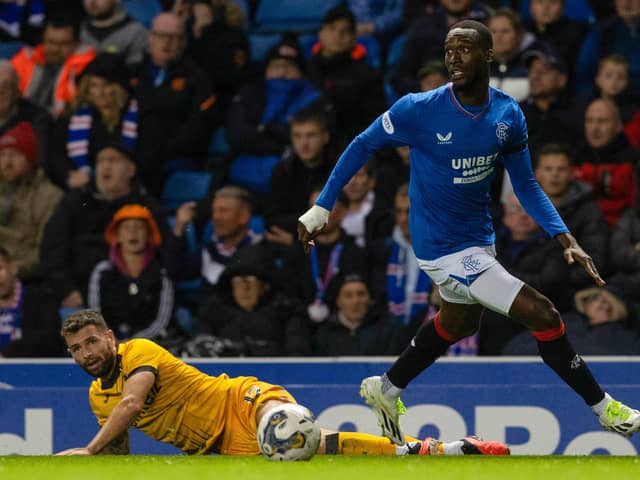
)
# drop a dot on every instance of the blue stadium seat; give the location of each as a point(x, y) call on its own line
point(183, 187)
point(374, 57)
point(253, 172)
point(218, 144)
point(578, 10)
point(9, 49)
point(393, 57)
point(142, 11)
point(260, 44)
point(292, 15)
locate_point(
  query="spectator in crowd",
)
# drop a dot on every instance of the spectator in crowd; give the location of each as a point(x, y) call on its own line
point(131, 288)
point(48, 72)
point(392, 171)
point(574, 201)
point(15, 109)
point(177, 108)
point(29, 322)
point(258, 122)
point(356, 326)
point(525, 250)
point(407, 286)
point(27, 198)
point(607, 161)
point(617, 34)
point(624, 251)
point(510, 45)
point(551, 114)
point(550, 26)
point(432, 75)
point(425, 37)
point(249, 309)
point(305, 165)
point(612, 82)
point(368, 216)
point(308, 277)
point(339, 67)
point(220, 45)
point(108, 28)
point(382, 19)
point(599, 325)
point(73, 241)
point(231, 211)
point(101, 112)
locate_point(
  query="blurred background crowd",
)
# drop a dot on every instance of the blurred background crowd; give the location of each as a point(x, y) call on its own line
point(155, 156)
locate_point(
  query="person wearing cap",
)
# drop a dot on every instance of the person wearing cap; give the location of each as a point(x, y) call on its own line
point(109, 28)
point(552, 115)
point(102, 111)
point(249, 308)
point(356, 325)
point(131, 288)
point(601, 323)
point(339, 67)
point(27, 198)
point(48, 72)
point(178, 106)
point(258, 122)
point(73, 241)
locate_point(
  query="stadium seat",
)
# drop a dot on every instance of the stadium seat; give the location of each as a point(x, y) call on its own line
point(393, 57)
point(260, 44)
point(253, 172)
point(291, 15)
point(9, 49)
point(142, 11)
point(183, 187)
point(218, 144)
point(578, 10)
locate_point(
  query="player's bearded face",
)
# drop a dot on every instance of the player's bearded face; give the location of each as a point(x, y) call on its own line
point(93, 350)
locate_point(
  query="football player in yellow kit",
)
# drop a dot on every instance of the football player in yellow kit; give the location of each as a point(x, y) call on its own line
point(140, 384)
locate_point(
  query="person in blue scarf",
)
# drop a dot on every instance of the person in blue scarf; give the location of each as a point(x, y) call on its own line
point(102, 111)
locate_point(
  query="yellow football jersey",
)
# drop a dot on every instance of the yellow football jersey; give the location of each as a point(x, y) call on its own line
point(184, 407)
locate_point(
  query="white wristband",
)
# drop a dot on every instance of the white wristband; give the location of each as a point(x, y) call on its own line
point(315, 218)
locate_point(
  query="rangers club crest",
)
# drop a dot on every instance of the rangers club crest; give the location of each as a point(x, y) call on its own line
point(502, 131)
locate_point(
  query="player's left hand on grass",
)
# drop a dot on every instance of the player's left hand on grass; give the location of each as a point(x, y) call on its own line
point(311, 224)
point(574, 253)
point(74, 451)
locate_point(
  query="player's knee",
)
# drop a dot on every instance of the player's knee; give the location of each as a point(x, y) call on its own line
point(547, 316)
point(462, 329)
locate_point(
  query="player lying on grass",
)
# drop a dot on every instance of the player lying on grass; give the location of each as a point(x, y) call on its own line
point(139, 384)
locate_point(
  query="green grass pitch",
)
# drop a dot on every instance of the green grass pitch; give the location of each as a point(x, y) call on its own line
point(325, 468)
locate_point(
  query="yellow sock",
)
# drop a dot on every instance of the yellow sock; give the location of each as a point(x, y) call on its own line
point(354, 443)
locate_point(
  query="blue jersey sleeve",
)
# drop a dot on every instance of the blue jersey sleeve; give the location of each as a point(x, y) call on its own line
point(392, 128)
point(517, 161)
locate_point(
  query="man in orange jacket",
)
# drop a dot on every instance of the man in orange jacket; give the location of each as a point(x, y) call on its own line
point(48, 72)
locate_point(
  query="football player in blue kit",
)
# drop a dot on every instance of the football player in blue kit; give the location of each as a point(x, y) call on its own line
point(457, 134)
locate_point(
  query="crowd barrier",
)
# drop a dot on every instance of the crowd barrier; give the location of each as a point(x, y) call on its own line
point(44, 404)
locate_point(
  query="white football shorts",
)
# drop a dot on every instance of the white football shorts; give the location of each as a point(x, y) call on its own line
point(473, 275)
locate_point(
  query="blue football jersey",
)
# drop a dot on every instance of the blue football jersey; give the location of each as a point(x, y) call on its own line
point(454, 153)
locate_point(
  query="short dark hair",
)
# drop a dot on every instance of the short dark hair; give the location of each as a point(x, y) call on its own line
point(312, 114)
point(83, 318)
point(554, 148)
point(403, 190)
point(64, 20)
point(341, 12)
point(484, 34)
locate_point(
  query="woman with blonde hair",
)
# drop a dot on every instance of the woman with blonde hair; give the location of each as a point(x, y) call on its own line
point(102, 112)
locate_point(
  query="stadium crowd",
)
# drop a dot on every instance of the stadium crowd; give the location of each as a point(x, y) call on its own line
point(154, 162)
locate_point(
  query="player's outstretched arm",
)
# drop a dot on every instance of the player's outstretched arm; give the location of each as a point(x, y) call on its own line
point(122, 416)
point(574, 253)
